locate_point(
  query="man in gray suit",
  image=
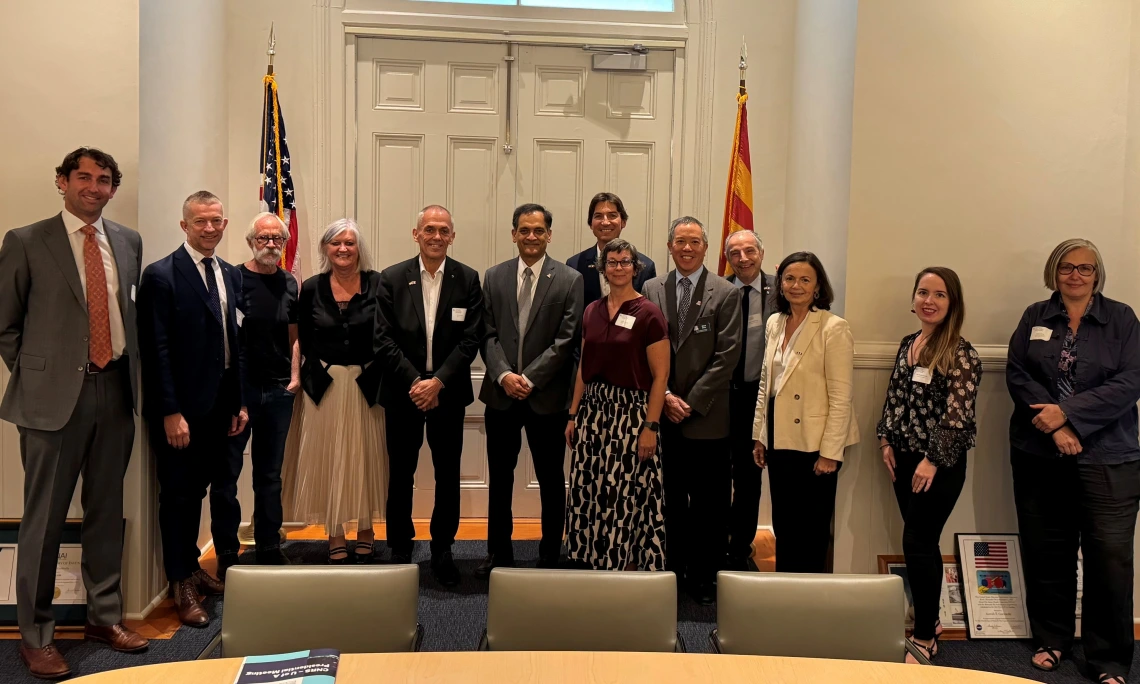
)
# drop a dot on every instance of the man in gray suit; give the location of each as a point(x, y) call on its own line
point(704, 328)
point(532, 318)
point(68, 336)
point(745, 253)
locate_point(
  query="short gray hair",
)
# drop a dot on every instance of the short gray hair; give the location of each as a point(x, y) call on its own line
point(420, 216)
point(686, 220)
point(252, 232)
point(727, 240)
point(363, 262)
point(1053, 277)
point(201, 197)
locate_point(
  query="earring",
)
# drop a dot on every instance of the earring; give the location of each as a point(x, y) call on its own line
point(912, 310)
point(816, 295)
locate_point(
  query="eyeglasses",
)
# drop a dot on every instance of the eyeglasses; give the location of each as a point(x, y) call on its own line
point(1084, 269)
point(624, 263)
point(264, 240)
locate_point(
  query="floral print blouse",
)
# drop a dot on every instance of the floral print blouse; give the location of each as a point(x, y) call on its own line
point(936, 419)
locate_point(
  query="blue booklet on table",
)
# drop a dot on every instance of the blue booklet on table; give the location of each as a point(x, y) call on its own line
point(316, 666)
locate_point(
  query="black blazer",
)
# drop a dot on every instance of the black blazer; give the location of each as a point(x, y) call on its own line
point(182, 362)
point(403, 338)
point(586, 263)
point(329, 336)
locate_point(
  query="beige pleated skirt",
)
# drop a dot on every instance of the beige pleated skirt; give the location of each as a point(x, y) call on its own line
point(335, 458)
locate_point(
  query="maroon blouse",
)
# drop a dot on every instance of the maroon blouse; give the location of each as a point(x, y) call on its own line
point(616, 354)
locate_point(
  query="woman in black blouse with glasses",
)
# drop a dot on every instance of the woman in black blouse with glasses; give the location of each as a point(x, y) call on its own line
point(926, 429)
point(1074, 375)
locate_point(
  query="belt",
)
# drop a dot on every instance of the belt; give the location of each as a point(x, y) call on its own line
point(114, 365)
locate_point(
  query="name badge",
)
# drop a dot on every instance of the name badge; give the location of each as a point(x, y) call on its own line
point(239, 318)
point(132, 293)
point(1041, 333)
point(922, 375)
point(702, 328)
point(756, 320)
point(459, 314)
point(625, 321)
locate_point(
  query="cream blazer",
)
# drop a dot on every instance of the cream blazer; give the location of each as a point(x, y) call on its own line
point(814, 411)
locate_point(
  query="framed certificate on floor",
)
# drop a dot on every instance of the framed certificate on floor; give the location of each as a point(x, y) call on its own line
point(69, 604)
point(993, 586)
point(951, 611)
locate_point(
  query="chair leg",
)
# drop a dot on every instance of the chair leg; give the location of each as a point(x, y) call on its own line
point(714, 641)
point(418, 639)
point(205, 654)
point(680, 646)
point(484, 645)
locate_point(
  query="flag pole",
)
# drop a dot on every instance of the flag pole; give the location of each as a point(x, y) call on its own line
point(271, 51)
point(743, 64)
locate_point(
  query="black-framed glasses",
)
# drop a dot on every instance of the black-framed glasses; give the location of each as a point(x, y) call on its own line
point(1084, 269)
point(624, 263)
point(264, 240)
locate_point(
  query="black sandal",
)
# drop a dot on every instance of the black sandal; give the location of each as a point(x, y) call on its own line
point(363, 552)
point(1052, 661)
point(1106, 678)
point(338, 550)
point(920, 652)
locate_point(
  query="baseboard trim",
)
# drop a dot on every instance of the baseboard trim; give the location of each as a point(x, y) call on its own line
point(159, 598)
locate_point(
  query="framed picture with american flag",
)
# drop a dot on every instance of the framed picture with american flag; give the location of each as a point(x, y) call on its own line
point(993, 586)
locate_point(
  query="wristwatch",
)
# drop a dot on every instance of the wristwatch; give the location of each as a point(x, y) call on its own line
point(652, 425)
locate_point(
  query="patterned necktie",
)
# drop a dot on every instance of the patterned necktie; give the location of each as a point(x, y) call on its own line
point(524, 310)
point(745, 295)
point(98, 310)
point(683, 306)
point(212, 292)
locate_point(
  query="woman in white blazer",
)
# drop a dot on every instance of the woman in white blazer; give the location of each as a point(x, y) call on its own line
point(804, 418)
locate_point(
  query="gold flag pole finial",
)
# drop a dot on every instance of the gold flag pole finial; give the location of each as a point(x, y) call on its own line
point(272, 49)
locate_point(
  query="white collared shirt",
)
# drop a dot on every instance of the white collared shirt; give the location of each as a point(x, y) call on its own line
point(76, 237)
point(783, 354)
point(605, 284)
point(430, 286)
point(219, 280)
point(537, 271)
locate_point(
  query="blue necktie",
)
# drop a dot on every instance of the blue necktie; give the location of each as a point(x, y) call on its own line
point(212, 295)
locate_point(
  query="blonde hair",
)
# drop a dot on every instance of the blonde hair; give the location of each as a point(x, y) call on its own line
point(1052, 276)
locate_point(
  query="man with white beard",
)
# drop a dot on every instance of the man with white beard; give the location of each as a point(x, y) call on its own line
point(268, 326)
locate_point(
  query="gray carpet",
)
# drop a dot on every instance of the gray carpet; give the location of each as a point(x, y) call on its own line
point(453, 620)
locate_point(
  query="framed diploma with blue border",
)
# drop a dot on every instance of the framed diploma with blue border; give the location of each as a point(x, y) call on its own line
point(70, 603)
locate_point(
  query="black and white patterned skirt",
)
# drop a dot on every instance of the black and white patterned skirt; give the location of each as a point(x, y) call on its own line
point(615, 515)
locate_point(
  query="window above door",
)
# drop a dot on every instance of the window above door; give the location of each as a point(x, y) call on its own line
point(624, 5)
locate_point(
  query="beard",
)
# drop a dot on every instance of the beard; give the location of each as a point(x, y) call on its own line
point(268, 256)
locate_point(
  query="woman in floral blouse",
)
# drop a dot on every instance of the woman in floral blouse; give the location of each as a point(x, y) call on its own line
point(926, 429)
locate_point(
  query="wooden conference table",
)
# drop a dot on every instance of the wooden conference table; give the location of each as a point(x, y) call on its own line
point(504, 667)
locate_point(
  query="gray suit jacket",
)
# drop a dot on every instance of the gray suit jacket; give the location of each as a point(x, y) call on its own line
point(552, 335)
point(705, 353)
point(43, 320)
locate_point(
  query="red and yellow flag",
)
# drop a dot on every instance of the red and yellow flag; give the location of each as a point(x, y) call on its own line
point(738, 199)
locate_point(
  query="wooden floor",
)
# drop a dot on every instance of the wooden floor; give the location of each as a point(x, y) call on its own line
point(162, 622)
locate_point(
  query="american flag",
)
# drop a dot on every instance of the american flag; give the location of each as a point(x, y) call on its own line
point(276, 193)
point(992, 555)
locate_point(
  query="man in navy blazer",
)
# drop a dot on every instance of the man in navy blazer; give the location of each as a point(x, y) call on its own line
point(191, 360)
point(607, 218)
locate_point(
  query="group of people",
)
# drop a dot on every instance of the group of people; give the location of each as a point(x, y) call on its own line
point(673, 392)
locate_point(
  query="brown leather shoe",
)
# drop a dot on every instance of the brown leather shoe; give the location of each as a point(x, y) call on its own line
point(119, 637)
point(206, 584)
point(190, 612)
point(45, 663)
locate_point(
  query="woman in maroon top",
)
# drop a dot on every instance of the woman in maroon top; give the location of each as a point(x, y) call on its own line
point(615, 519)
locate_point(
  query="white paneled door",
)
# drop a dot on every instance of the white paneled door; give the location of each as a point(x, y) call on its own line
point(432, 121)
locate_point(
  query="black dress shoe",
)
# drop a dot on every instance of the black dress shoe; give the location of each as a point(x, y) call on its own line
point(443, 567)
point(491, 562)
point(736, 564)
point(400, 557)
point(703, 593)
point(226, 560)
point(273, 556)
point(548, 562)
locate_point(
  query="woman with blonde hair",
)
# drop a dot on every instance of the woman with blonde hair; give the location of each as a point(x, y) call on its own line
point(1074, 375)
point(338, 476)
point(926, 429)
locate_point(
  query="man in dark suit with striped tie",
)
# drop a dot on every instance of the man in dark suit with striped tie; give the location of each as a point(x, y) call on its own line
point(192, 365)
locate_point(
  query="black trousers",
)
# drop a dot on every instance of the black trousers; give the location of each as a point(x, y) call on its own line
point(404, 428)
point(183, 478)
point(924, 515)
point(697, 479)
point(803, 504)
point(1063, 506)
point(270, 412)
point(544, 437)
point(747, 477)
